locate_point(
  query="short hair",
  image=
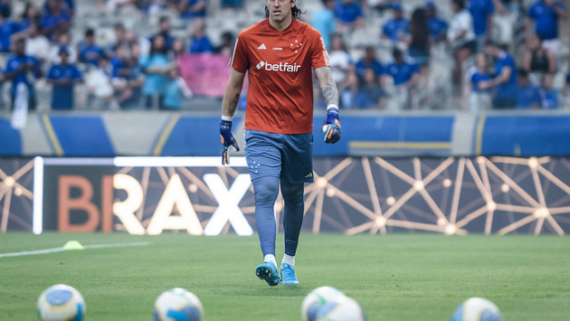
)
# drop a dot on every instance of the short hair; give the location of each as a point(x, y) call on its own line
point(327, 1)
point(396, 53)
point(163, 19)
point(491, 43)
point(460, 3)
point(21, 41)
point(522, 72)
point(119, 25)
point(90, 32)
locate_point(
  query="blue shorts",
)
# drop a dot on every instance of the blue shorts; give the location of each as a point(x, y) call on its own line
point(289, 157)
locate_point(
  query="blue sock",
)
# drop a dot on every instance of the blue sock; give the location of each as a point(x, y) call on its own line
point(293, 218)
point(266, 190)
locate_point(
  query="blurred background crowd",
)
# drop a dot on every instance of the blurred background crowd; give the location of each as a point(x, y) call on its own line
point(411, 55)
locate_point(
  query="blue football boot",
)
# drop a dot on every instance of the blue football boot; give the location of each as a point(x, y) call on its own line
point(268, 272)
point(288, 275)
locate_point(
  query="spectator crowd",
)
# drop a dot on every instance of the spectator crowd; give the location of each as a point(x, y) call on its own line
point(139, 71)
point(486, 74)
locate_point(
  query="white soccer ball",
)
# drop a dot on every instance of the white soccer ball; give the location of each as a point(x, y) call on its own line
point(341, 309)
point(317, 298)
point(61, 303)
point(477, 309)
point(178, 304)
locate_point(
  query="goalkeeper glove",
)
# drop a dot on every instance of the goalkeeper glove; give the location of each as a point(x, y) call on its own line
point(228, 140)
point(331, 126)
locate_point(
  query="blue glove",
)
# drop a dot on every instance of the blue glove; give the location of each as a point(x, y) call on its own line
point(228, 140)
point(331, 126)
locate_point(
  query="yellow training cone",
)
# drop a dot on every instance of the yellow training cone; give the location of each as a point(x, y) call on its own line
point(73, 245)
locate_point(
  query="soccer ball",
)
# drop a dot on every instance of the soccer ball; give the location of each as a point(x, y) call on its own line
point(317, 298)
point(178, 304)
point(477, 309)
point(341, 309)
point(61, 303)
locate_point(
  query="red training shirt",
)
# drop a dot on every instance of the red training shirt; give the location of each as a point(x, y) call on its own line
point(280, 94)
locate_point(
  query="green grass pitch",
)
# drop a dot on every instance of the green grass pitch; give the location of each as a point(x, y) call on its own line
point(394, 277)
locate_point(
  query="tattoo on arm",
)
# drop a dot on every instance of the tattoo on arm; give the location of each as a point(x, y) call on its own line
point(328, 86)
point(233, 104)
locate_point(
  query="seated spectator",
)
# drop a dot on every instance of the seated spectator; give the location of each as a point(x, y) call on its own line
point(482, 13)
point(98, 82)
point(22, 69)
point(478, 99)
point(120, 39)
point(7, 29)
point(178, 49)
point(176, 90)
point(528, 96)
point(36, 44)
point(200, 41)
point(30, 16)
point(405, 76)
point(342, 70)
point(5, 8)
point(461, 37)
point(54, 57)
point(504, 81)
point(56, 21)
point(397, 28)
point(549, 94)
point(156, 67)
point(63, 77)
point(128, 80)
point(89, 51)
point(369, 61)
point(404, 71)
point(68, 7)
point(191, 9)
point(437, 26)
point(324, 21)
point(370, 93)
point(539, 59)
point(545, 15)
point(131, 40)
point(227, 44)
point(164, 31)
point(419, 42)
point(349, 14)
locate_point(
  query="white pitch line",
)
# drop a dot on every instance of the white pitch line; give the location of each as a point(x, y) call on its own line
point(61, 249)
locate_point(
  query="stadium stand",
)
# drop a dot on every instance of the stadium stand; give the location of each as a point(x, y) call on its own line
point(123, 30)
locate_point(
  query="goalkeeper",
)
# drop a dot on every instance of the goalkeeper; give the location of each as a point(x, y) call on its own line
point(278, 54)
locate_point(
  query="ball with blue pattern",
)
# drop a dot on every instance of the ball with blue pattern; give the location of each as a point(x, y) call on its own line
point(178, 305)
point(477, 309)
point(61, 303)
point(341, 309)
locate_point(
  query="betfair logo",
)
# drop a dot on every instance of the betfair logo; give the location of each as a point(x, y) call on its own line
point(284, 67)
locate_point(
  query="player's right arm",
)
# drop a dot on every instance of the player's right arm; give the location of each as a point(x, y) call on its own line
point(229, 106)
point(239, 64)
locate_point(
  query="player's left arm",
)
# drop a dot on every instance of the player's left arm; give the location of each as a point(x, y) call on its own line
point(331, 127)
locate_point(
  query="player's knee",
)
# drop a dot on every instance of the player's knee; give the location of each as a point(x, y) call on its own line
point(266, 189)
point(292, 192)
